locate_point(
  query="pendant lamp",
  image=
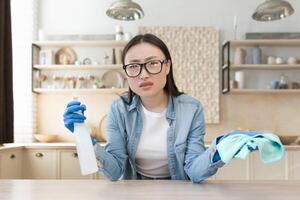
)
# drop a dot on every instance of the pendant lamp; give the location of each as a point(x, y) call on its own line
point(272, 10)
point(126, 10)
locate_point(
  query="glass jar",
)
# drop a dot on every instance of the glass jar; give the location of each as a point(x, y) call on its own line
point(283, 82)
point(256, 55)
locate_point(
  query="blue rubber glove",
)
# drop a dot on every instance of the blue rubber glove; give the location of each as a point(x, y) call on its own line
point(94, 141)
point(72, 115)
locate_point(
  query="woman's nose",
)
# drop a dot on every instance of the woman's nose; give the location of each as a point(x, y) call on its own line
point(144, 74)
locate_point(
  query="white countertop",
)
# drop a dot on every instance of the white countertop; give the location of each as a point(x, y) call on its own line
point(37, 145)
point(148, 189)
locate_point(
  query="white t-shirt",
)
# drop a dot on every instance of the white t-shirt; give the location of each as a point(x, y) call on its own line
point(151, 155)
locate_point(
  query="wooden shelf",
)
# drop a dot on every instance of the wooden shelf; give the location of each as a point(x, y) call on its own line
point(228, 47)
point(97, 91)
point(265, 42)
point(78, 67)
point(263, 91)
point(265, 67)
point(81, 43)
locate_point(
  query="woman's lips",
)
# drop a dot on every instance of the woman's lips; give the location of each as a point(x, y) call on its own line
point(145, 84)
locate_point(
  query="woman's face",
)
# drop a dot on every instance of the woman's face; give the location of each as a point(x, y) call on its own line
point(146, 84)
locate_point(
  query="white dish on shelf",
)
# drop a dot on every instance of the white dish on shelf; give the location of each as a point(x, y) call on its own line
point(113, 79)
point(65, 56)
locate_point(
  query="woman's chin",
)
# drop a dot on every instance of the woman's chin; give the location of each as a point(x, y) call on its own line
point(146, 93)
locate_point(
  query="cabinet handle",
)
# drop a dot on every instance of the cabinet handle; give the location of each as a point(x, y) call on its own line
point(39, 155)
point(75, 155)
point(12, 156)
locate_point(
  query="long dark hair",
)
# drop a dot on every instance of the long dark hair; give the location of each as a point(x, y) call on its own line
point(170, 86)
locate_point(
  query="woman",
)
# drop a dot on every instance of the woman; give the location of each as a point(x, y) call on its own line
point(153, 131)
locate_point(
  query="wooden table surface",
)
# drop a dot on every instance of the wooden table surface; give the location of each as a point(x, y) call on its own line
point(148, 189)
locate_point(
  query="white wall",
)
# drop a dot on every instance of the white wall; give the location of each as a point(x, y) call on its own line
point(24, 30)
point(88, 16)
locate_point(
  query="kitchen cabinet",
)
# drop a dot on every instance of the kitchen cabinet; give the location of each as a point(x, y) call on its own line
point(69, 167)
point(270, 171)
point(90, 73)
point(40, 164)
point(288, 168)
point(237, 169)
point(55, 163)
point(258, 78)
point(99, 176)
point(11, 164)
point(294, 165)
point(59, 161)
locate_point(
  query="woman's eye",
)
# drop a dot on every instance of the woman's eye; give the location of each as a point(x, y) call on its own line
point(153, 62)
point(133, 66)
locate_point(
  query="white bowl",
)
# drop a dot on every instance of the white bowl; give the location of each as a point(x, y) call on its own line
point(45, 137)
point(288, 139)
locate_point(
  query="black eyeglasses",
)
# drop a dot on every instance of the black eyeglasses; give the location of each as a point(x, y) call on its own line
point(152, 67)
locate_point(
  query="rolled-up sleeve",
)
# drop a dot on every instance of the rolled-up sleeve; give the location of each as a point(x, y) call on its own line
point(112, 157)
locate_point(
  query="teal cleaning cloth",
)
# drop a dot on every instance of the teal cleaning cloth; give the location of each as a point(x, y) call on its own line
point(236, 146)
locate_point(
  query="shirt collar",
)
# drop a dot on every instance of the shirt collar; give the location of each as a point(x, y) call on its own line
point(135, 102)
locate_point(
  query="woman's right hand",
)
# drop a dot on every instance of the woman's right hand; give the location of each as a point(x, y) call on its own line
point(74, 113)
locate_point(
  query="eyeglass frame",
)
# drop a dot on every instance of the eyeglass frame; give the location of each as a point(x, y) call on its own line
point(143, 65)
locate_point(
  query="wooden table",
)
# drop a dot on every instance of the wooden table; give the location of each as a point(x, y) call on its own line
point(147, 189)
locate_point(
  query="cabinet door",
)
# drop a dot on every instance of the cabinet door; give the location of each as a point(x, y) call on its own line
point(237, 169)
point(11, 164)
point(211, 178)
point(270, 171)
point(40, 164)
point(99, 176)
point(69, 165)
point(294, 165)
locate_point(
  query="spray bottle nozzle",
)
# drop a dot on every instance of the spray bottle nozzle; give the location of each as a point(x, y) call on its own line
point(75, 98)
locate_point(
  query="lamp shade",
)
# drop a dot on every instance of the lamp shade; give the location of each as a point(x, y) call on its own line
point(272, 10)
point(125, 10)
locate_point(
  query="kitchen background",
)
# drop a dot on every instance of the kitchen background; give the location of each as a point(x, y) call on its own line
point(42, 113)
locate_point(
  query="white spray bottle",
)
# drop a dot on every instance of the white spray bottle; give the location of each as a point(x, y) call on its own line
point(85, 149)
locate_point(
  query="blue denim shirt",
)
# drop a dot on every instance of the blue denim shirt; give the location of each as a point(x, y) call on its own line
point(187, 157)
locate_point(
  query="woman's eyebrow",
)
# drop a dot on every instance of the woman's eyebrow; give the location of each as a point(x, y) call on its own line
point(149, 58)
point(146, 59)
